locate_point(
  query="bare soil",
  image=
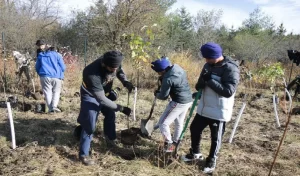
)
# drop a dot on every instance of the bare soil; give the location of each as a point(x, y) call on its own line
point(46, 145)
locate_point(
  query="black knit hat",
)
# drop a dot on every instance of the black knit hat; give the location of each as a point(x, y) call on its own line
point(40, 42)
point(113, 59)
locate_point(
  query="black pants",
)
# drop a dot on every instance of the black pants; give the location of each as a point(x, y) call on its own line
point(217, 129)
point(26, 71)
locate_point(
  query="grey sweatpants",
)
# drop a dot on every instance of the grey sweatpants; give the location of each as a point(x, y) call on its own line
point(174, 112)
point(51, 89)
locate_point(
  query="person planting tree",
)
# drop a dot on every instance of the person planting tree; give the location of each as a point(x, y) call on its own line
point(174, 83)
point(97, 95)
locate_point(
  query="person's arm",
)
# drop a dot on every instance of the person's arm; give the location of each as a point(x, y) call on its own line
point(164, 90)
point(104, 101)
point(121, 75)
point(228, 84)
point(94, 86)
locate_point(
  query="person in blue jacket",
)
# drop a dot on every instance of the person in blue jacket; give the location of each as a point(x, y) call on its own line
point(50, 67)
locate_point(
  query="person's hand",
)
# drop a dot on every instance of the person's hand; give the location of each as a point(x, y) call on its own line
point(126, 111)
point(129, 86)
point(194, 95)
point(206, 76)
point(156, 92)
point(113, 94)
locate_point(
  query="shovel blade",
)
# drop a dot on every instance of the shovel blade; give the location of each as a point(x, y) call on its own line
point(147, 127)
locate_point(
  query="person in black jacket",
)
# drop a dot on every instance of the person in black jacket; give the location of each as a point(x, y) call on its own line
point(218, 81)
point(97, 95)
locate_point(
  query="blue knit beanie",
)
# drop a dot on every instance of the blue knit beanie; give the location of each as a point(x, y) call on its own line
point(211, 50)
point(160, 65)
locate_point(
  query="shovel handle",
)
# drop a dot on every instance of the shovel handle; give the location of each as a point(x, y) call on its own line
point(152, 108)
point(154, 102)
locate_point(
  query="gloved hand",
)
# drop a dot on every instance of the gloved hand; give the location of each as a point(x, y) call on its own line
point(194, 95)
point(126, 111)
point(206, 76)
point(129, 86)
point(113, 94)
point(156, 92)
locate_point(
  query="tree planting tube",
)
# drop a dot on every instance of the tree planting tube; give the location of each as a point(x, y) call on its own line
point(12, 128)
point(290, 98)
point(275, 110)
point(134, 103)
point(237, 121)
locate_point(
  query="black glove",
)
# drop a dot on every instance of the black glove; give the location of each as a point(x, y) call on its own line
point(206, 76)
point(156, 92)
point(194, 95)
point(129, 86)
point(113, 94)
point(126, 111)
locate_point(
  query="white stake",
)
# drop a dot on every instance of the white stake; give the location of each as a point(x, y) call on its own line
point(237, 121)
point(290, 98)
point(134, 103)
point(275, 110)
point(12, 128)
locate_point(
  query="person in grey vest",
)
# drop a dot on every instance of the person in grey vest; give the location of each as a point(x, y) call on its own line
point(174, 84)
point(218, 81)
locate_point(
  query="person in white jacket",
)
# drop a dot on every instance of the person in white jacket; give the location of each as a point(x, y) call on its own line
point(218, 81)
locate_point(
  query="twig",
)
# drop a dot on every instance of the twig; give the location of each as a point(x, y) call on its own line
point(280, 143)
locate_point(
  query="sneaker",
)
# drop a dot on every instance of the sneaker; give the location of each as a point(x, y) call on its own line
point(169, 147)
point(87, 160)
point(210, 165)
point(56, 110)
point(192, 156)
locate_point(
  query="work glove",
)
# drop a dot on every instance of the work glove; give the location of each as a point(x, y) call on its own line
point(126, 111)
point(129, 86)
point(156, 92)
point(206, 76)
point(113, 94)
point(194, 95)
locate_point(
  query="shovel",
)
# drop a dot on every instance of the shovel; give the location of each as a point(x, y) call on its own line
point(147, 125)
point(198, 95)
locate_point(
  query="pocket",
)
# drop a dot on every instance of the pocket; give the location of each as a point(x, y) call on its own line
point(223, 102)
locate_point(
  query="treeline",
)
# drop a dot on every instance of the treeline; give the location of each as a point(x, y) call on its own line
point(104, 25)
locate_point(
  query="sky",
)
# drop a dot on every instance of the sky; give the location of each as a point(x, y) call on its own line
point(234, 11)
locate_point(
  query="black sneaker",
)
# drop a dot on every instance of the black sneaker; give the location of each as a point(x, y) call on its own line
point(192, 156)
point(87, 160)
point(210, 165)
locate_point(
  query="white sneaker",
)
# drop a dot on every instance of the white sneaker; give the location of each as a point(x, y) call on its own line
point(192, 156)
point(56, 110)
point(210, 165)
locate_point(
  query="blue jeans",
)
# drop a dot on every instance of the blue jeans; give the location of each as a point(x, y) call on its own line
point(88, 117)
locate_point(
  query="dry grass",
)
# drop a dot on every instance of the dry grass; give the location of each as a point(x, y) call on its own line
point(46, 145)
